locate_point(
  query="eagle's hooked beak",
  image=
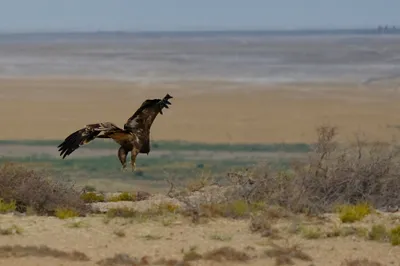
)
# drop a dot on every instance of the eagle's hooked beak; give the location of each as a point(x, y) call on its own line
point(164, 102)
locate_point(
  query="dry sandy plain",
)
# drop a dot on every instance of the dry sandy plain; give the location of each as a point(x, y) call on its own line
point(45, 108)
point(303, 241)
point(213, 112)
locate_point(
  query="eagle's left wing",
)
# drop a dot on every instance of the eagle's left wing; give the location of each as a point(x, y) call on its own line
point(140, 122)
point(90, 132)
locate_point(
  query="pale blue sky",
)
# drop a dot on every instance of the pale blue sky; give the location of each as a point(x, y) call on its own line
point(91, 15)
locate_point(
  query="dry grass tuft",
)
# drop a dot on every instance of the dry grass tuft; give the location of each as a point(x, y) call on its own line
point(124, 212)
point(171, 262)
point(121, 259)
point(18, 251)
point(379, 233)
point(395, 236)
point(119, 233)
point(285, 255)
point(360, 262)
point(12, 230)
point(334, 174)
point(262, 224)
point(226, 254)
point(90, 197)
point(124, 196)
point(34, 189)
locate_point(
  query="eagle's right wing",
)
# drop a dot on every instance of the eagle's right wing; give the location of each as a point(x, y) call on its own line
point(90, 132)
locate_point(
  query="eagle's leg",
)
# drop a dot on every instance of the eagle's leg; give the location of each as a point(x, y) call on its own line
point(122, 153)
point(134, 153)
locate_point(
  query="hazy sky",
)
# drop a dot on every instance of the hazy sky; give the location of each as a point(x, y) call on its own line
point(89, 15)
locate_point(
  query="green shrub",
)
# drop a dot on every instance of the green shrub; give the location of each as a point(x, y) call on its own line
point(353, 213)
point(378, 233)
point(7, 206)
point(124, 196)
point(90, 197)
point(65, 213)
point(395, 236)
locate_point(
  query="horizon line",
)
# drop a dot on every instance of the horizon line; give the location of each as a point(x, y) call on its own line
point(397, 28)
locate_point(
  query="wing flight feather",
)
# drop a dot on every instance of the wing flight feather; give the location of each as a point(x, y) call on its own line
point(87, 134)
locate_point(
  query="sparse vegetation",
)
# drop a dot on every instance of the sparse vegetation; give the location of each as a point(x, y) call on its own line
point(65, 213)
point(151, 237)
point(395, 236)
point(378, 233)
point(124, 196)
point(285, 255)
point(29, 188)
point(360, 262)
point(262, 224)
point(221, 237)
point(121, 212)
point(7, 206)
point(90, 197)
point(18, 251)
point(350, 182)
point(119, 233)
point(361, 174)
point(353, 213)
point(310, 232)
point(77, 224)
point(12, 230)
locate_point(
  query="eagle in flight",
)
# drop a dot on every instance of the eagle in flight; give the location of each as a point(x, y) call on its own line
point(134, 138)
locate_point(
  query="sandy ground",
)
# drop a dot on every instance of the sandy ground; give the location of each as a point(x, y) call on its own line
point(157, 239)
point(44, 108)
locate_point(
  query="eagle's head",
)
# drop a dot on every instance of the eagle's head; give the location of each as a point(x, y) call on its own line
point(164, 102)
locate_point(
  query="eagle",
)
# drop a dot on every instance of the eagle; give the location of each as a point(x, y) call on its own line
point(133, 138)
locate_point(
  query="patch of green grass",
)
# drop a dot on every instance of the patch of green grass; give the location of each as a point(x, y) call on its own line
point(64, 213)
point(7, 206)
point(353, 213)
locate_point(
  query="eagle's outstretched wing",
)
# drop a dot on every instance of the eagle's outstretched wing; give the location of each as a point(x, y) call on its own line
point(141, 121)
point(90, 132)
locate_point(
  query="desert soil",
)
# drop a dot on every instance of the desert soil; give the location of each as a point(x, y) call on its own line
point(212, 112)
point(98, 239)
